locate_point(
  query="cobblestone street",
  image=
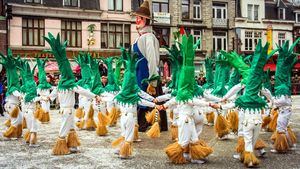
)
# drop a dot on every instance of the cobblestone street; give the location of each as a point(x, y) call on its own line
point(96, 152)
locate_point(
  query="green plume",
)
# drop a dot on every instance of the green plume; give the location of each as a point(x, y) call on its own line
point(186, 83)
point(9, 63)
point(67, 79)
point(96, 87)
point(209, 74)
point(234, 79)
point(29, 85)
point(112, 85)
point(221, 76)
point(285, 62)
point(236, 61)
point(86, 73)
point(267, 80)
point(43, 84)
point(129, 92)
point(250, 99)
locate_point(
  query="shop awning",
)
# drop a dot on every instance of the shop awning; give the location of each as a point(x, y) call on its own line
point(272, 66)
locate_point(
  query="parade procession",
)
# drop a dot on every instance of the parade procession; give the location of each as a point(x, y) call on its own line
point(130, 106)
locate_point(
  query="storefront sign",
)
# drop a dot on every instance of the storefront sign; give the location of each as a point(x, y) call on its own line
point(162, 17)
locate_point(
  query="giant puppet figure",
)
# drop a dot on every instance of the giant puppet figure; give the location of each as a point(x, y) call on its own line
point(147, 48)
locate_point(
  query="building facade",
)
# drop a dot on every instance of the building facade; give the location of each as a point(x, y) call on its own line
point(3, 28)
point(100, 27)
point(210, 20)
point(269, 20)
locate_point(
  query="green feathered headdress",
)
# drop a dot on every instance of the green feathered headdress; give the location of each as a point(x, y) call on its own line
point(96, 87)
point(234, 79)
point(221, 76)
point(209, 75)
point(186, 82)
point(285, 62)
point(43, 84)
point(129, 92)
point(9, 63)
point(236, 61)
point(112, 86)
point(29, 83)
point(86, 73)
point(267, 80)
point(250, 99)
point(67, 79)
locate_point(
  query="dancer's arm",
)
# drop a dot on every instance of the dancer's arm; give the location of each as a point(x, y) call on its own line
point(145, 95)
point(199, 102)
point(84, 92)
point(163, 98)
point(211, 97)
point(234, 90)
point(146, 103)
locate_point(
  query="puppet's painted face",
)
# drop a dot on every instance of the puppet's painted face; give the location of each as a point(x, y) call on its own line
point(140, 22)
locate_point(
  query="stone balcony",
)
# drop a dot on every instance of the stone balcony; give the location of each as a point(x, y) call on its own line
point(219, 23)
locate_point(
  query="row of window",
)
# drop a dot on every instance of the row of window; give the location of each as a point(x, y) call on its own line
point(252, 37)
point(112, 35)
point(113, 5)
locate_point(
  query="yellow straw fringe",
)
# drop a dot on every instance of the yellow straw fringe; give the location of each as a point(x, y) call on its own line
point(7, 123)
point(90, 122)
point(233, 119)
point(80, 124)
point(117, 142)
point(126, 150)
point(154, 131)
point(103, 121)
point(281, 144)
point(175, 153)
point(174, 132)
point(27, 137)
point(19, 130)
point(24, 124)
point(171, 115)
point(11, 132)
point(151, 90)
point(33, 138)
point(260, 144)
point(60, 147)
point(240, 147)
point(72, 139)
point(210, 117)
point(79, 113)
point(113, 116)
point(15, 112)
point(221, 126)
point(136, 133)
point(292, 135)
point(273, 123)
point(199, 150)
point(249, 157)
point(266, 121)
point(44, 117)
point(38, 113)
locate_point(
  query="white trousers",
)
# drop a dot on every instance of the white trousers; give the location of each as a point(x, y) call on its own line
point(251, 129)
point(67, 121)
point(199, 122)
point(127, 126)
point(32, 123)
point(241, 120)
point(283, 119)
point(45, 106)
point(186, 130)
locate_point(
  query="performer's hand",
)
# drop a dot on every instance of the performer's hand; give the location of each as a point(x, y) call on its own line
point(224, 100)
point(215, 106)
point(155, 100)
point(98, 99)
